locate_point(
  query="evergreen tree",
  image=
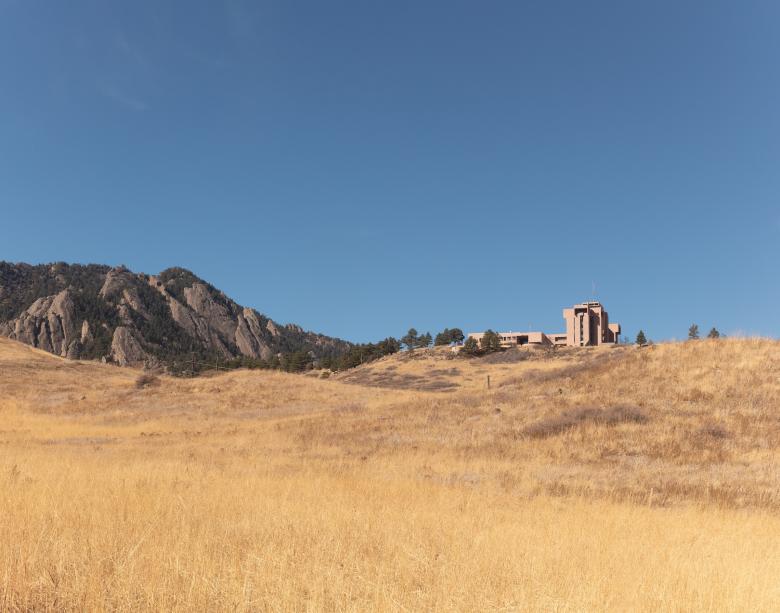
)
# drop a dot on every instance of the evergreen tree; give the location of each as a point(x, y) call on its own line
point(388, 346)
point(362, 354)
point(425, 340)
point(471, 346)
point(693, 332)
point(447, 337)
point(443, 338)
point(641, 339)
point(714, 333)
point(490, 342)
point(411, 339)
point(296, 361)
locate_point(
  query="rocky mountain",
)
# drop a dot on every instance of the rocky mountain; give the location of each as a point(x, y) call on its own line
point(99, 312)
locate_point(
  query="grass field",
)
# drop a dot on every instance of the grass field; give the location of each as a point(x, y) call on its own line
point(617, 479)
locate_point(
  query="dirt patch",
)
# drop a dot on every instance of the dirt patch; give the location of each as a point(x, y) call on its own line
point(590, 366)
point(449, 372)
point(567, 420)
point(510, 356)
point(80, 440)
point(392, 380)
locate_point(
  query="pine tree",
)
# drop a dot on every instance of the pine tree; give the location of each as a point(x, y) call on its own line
point(693, 332)
point(425, 340)
point(388, 346)
point(714, 333)
point(471, 346)
point(490, 342)
point(641, 339)
point(442, 338)
point(447, 337)
point(411, 339)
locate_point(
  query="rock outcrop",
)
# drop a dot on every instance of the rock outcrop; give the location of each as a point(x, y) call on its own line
point(48, 323)
point(86, 333)
point(125, 348)
point(96, 312)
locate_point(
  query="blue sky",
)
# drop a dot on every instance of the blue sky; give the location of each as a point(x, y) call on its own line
point(363, 167)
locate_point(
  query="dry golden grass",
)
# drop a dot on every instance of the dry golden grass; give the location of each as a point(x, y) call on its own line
point(618, 479)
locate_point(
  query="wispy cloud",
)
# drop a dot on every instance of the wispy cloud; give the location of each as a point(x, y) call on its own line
point(122, 98)
point(129, 50)
point(198, 56)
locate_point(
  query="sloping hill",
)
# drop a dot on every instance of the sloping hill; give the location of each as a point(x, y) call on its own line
point(34, 382)
point(605, 480)
point(686, 421)
point(442, 369)
point(98, 312)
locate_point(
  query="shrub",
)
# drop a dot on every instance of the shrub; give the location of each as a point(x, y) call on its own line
point(471, 346)
point(146, 379)
point(713, 431)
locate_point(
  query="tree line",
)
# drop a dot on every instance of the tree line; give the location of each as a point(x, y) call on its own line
point(693, 335)
point(414, 340)
point(363, 353)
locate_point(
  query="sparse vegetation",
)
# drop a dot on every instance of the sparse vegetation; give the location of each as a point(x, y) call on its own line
point(713, 333)
point(605, 479)
point(693, 333)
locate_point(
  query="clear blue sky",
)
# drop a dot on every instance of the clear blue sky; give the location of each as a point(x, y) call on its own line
point(362, 167)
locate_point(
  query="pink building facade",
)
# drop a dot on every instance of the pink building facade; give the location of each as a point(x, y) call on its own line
point(587, 325)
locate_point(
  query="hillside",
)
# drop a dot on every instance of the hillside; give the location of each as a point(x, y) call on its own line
point(604, 479)
point(171, 319)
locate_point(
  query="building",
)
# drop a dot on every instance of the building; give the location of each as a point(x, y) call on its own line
point(587, 324)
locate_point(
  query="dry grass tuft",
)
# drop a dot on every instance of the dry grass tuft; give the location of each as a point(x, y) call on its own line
point(713, 431)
